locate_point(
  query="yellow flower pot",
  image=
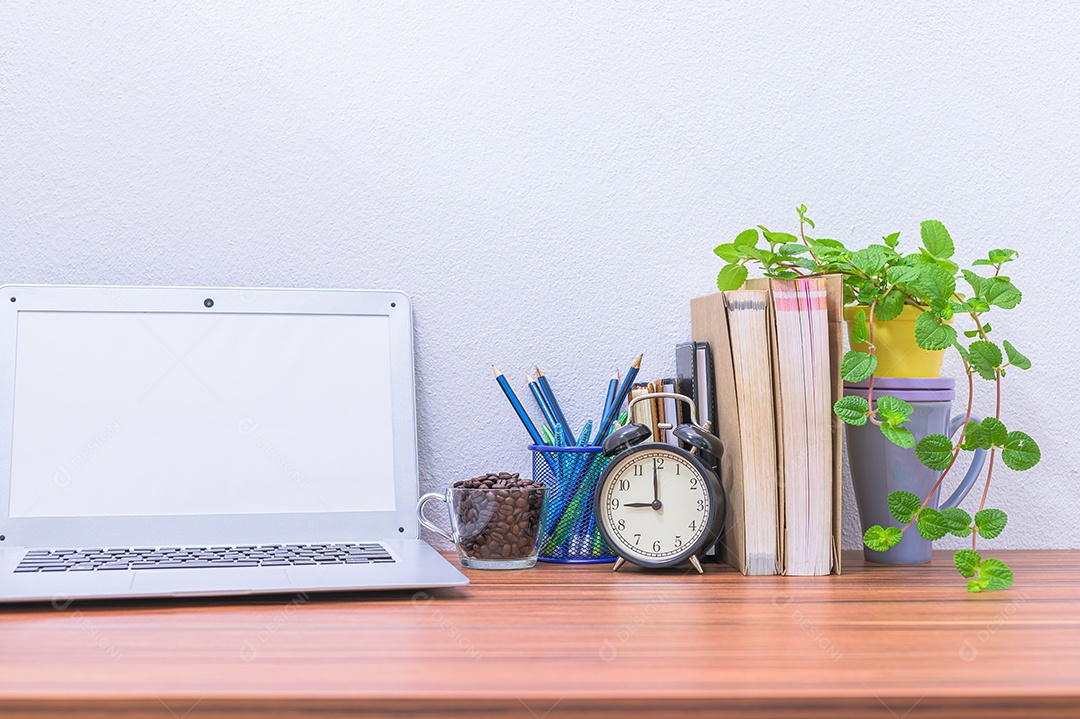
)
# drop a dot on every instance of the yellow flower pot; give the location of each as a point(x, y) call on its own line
point(897, 352)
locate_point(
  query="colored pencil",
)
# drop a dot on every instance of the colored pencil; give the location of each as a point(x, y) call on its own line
point(613, 387)
point(534, 387)
point(553, 403)
point(516, 404)
point(620, 397)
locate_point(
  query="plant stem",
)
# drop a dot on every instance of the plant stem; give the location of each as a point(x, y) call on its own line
point(993, 450)
point(873, 353)
point(802, 234)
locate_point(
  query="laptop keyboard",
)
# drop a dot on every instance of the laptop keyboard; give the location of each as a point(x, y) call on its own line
point(248, 555)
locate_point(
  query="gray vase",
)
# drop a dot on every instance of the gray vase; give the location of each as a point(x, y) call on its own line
point(879, 467)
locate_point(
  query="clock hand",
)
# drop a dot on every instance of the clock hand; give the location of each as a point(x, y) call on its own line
point(638, 504)
point(655, 487)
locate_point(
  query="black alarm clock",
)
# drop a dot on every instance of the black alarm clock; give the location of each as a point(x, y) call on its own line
point(657, 504)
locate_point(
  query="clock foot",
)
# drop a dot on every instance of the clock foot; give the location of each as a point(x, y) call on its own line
point(697, 564)
point(618, 563)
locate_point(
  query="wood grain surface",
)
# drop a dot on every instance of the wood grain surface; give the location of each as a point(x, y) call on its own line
point(561, 641)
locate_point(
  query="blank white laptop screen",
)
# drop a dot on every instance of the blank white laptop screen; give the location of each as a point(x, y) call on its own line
point(134, 413)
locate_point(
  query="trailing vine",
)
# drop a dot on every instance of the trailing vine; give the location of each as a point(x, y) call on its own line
point(882, 281)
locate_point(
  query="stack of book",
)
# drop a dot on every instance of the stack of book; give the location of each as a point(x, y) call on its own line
point(661, 414)
point(776, 348)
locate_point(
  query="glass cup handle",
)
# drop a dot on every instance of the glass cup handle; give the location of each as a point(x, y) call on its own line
point(977, 461)
point(424, 521)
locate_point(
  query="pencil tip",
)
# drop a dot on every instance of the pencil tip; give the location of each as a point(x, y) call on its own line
point(529, 378)
point(496, 370)
point(539, 373)
point(615, 376)
point(637, 362)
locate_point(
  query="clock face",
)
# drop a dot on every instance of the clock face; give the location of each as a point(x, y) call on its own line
point(655, 506)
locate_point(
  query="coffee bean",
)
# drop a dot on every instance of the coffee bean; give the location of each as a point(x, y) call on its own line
point(498, 516)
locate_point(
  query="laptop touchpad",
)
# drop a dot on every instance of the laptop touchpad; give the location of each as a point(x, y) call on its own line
point(211, 581)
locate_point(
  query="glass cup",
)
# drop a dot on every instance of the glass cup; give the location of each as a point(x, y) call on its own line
point(491, 528)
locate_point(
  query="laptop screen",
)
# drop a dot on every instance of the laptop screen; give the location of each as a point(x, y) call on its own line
point(175, 413)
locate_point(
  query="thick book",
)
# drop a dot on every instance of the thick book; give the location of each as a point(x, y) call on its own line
point(710, 323)
point(804, 408)
point(749, 322)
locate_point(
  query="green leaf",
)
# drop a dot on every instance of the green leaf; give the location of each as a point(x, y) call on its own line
point(1000, 292)
point(792, 248)
point(890, 307)
point(904, 505)
point(805, 262)
point(893, 410)
point(892, 240)
point(933, 334)
point(857, 366)
point(985, 358)
point(976, 305)
point(777, 238)
point(827, 243)
point(853, 410)
point(731, 277)
point(997, 572)
point(729, 252)
point(943, 308)
point(958, 521)
point(870, 259)
point(975, 281)
point(902, 274)
point(1015, 358)
point(967, 562)
point(936, 239)
point(879, 539)
point(936, 283)
point(1000, 257)
point(747, 238)
point(1020, 452)
point(935, 451)
point(899, 436)
point(993, 432)
point(978, 584)
point(990, 522)
point(859, 331)
point(963, 351)
point(931, 525)
point(973, 438)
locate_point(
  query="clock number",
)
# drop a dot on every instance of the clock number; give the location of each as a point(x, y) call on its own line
point(693, 483)
point(621, 525)
point(658, 462)
point(656, 546)
point(693, 525)
point(614, 503)
point(701, 505)
point(637, 539)
point(639, 471)
point(624, 485)
point(678, 468)
point(678, 541)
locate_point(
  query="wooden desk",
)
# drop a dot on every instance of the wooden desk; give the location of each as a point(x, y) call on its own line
point(569, 641)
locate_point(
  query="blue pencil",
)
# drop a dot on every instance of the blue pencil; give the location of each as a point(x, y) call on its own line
point(556, 410)
point(549, 417)
point(609, 418)
point(516, 404)
point(613, 387)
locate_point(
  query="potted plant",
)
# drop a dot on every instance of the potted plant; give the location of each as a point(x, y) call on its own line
point(912, 297)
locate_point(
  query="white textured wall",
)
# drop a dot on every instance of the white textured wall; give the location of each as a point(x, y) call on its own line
point(546, 180)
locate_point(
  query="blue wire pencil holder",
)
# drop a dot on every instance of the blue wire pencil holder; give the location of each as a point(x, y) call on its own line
point(569, 534)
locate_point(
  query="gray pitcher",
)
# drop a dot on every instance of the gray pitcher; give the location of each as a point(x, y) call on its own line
point(879, 467)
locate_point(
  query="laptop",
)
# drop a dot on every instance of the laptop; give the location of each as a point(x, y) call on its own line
point(166, 441)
